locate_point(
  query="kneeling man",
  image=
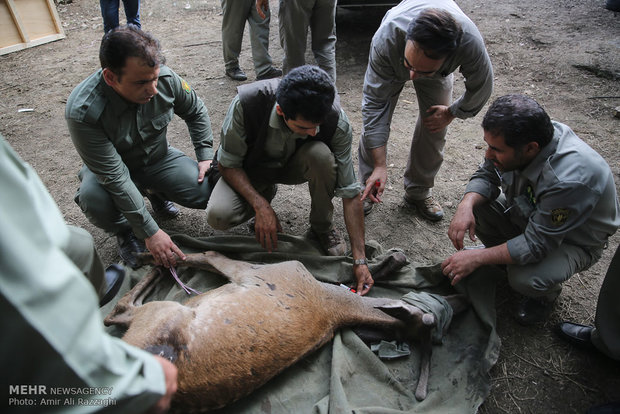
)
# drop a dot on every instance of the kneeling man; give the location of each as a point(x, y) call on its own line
point(543, 203)
point(289, 131)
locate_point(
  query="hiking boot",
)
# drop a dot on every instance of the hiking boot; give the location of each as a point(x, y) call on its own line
point(236, 74)
point(332, 242)
point(128, 246)
point(162, 207)
point(428, 208)
point(270, 73)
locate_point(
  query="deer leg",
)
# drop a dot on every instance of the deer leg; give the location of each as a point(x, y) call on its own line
point(122, 313)
point(234, 270)
point(426, 350)
point(390, 264)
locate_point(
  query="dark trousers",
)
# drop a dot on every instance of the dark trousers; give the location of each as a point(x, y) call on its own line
point(109, 12)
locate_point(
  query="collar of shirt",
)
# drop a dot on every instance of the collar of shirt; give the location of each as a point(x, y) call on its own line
point(534, 169)
point(118, 104)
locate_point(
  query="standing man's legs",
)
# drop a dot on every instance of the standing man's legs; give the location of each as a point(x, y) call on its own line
point(234, 15)
point(132, 12)
point(259, 40)
point(109, 12)
point(426, 153)
point(323, 28)
point(294, 20)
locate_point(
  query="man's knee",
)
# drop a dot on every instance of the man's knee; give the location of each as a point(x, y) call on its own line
point(219, 218)
point(528, 282)
point(319, 158)
point(93, 200)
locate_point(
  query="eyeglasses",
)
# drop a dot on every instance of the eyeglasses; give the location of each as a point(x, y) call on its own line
point(419, 72)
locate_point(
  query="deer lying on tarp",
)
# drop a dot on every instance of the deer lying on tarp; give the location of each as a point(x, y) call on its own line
point(231, 340)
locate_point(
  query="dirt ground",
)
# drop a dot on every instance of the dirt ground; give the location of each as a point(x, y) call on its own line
point(563, 53)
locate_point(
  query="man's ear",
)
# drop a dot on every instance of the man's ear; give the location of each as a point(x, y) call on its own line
point(532, 149)
point(279, 110)
point(110, 77)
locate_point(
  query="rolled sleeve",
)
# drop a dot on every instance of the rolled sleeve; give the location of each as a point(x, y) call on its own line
point(233, 146)
point(347, 185)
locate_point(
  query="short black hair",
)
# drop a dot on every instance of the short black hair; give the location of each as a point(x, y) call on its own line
point(306, 91)
point(436, 32)
point(129, 41)
point(520, 120)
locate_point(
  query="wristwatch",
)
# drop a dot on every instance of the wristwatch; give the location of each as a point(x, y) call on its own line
point(360, 262)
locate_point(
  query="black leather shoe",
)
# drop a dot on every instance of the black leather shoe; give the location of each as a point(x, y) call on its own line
point(576, 334)
point(128, 247)
point(271, 73)
point(531, 311)
point(162, 207)
point(236, 74)
point(114, 276)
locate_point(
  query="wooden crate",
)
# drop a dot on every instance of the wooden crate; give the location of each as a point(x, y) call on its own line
point(27, 23)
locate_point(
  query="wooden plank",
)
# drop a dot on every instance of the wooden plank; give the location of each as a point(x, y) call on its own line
point(28, 23)
point(9, 34)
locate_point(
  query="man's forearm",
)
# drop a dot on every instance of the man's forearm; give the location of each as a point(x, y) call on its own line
point(354, 220)
point(379, 157)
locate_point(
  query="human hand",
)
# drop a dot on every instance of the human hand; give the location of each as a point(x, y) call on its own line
point(163, 249)
point(266, 228)
point(262, 6)
point(460, 265)
point(375, 185)
point(364, 279)
point(462, 222)
point(437, 118)
point(170, 374)
point(203, 167)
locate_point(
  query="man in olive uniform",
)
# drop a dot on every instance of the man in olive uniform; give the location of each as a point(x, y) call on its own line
point(291, 132)
point(543, 203)
point(49, 313)
point(118, 119)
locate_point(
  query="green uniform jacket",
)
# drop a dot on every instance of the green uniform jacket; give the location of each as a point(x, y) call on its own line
point(52, 334)
point(115, 137)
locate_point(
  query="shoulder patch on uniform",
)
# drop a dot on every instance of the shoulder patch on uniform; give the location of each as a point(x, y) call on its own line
point(186, 86)
point(559, 216)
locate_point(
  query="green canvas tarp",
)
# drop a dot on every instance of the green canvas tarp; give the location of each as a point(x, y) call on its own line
point(345, 376)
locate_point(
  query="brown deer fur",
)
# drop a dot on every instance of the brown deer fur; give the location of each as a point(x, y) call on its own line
point(231, 340)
